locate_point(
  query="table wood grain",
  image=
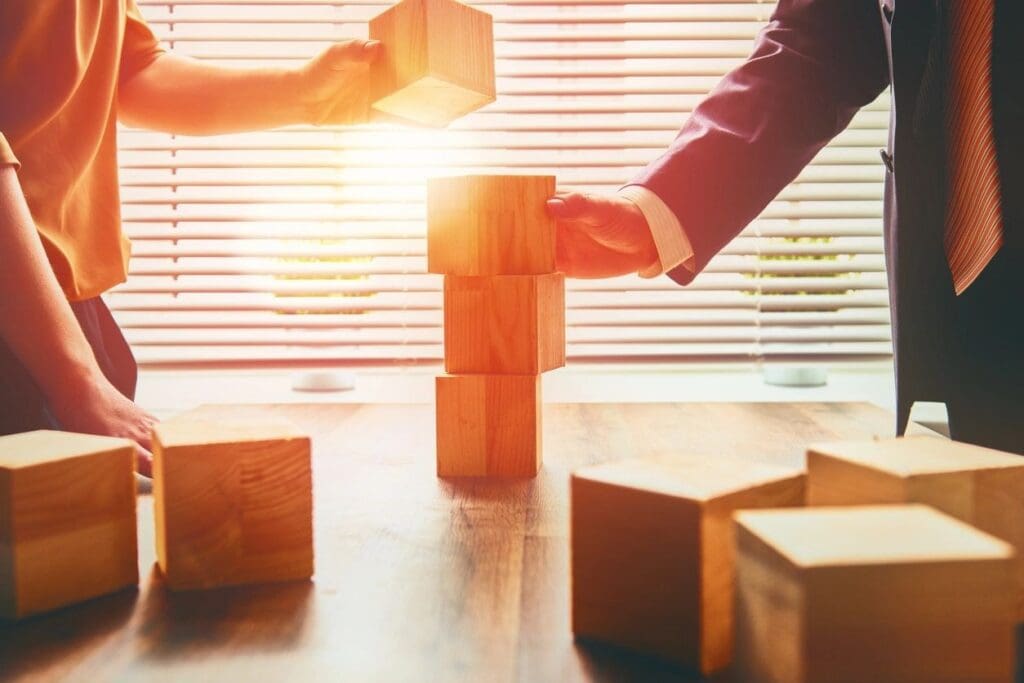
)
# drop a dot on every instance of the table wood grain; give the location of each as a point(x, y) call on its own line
point(417, 579)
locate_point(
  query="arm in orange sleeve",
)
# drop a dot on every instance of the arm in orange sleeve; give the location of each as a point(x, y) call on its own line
point(40, 328)
point(175, 94)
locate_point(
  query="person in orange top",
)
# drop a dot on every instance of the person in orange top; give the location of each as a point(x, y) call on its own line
point(68, 72)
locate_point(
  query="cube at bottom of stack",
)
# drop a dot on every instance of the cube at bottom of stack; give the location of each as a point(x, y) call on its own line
point(488, 425)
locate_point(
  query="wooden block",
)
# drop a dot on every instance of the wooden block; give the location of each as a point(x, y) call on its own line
point(437, 63)
point(490, 225)
point(875, 593)
point(652, 551)
point(233, 503)
point(980, 486)
point(67, 520)
point(488, 425)
point(504, 324)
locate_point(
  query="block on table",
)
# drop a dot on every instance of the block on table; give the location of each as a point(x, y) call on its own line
point(980, 486)
point(504, 324)
point(871, 593)
point(437, 62)
point(652, 551)
point(67, 520)
point(490, 225)
point(488, 425)
point(233, 503)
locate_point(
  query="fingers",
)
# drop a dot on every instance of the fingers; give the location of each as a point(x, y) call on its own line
point(144, 462)
point(340, 55)
point(579, 256)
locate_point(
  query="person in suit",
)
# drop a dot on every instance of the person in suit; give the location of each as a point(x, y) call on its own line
point(954, 191)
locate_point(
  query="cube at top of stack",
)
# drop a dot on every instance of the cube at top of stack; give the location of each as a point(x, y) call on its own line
point(490, 225)
point(437, 63)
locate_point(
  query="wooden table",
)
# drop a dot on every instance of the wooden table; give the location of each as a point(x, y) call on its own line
point(418, 579)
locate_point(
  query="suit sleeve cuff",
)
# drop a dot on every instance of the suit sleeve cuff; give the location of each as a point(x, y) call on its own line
point(7, 157)
point(670, 239)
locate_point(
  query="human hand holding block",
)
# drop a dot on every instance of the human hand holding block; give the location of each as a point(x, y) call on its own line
point(67, 520)
point(438, 61)
point(233, 503)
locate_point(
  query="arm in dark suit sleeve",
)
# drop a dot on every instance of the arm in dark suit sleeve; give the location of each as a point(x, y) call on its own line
point(813, 66)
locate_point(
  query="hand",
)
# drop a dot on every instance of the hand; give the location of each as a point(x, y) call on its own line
point(600, 236)
point(333, 87)
point(99, 408)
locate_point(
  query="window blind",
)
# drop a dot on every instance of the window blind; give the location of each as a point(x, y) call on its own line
point(306, 245)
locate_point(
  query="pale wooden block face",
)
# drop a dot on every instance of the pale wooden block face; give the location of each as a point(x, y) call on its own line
point(490, 225)
point(909, 456)
point(652, 551)
point(879, 593)
point(67, 520)
point(869, 534)
point(233, 503)
point(980, 486)
point(438, 61)
point(504, 324)
point(488, 425)
point(635, 574)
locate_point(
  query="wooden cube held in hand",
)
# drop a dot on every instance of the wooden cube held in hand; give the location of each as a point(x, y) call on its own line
point(490, 225)
point(653, 552)
point(980, 486)
point(488, 425)
point(67, 520)
point(437, 63)
point(504, 324)
point(884, 594)
point(233, 503)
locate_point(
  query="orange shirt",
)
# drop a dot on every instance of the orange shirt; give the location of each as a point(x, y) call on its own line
point(60, 65)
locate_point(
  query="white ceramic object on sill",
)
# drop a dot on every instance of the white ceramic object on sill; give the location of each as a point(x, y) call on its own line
point(324, 381)
point(795, 376)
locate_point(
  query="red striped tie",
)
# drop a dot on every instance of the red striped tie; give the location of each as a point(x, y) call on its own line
point(974, 229)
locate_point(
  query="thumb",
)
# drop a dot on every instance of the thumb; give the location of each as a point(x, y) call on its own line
point(342, 54)
point(572, 206)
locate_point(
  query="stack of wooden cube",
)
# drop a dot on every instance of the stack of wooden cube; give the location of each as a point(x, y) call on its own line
point(504, 319)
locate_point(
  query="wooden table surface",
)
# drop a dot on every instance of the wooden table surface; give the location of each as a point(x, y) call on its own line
point(418, 579)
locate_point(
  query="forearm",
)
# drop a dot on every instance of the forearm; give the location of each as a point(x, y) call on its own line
point(812, 68)
point(186, 96)
point(36, 321)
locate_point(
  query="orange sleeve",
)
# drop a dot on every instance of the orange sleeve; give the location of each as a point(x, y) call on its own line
point(7, 157)
point(140, 45)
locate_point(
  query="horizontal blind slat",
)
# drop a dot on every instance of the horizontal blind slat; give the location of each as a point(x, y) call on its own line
point(306, 245)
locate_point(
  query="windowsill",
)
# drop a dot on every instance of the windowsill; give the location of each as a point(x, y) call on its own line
point(166, 392)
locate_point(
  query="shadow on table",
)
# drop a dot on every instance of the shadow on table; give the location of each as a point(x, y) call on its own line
point(46, 645)
point(607, 663)
point(262, 617)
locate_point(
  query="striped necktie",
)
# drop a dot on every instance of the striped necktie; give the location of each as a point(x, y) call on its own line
point(974, 229)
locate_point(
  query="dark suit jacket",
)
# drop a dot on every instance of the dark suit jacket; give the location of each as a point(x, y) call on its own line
point(816, 63)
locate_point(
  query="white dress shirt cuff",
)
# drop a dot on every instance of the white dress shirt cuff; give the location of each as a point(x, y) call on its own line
point(670, 239)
